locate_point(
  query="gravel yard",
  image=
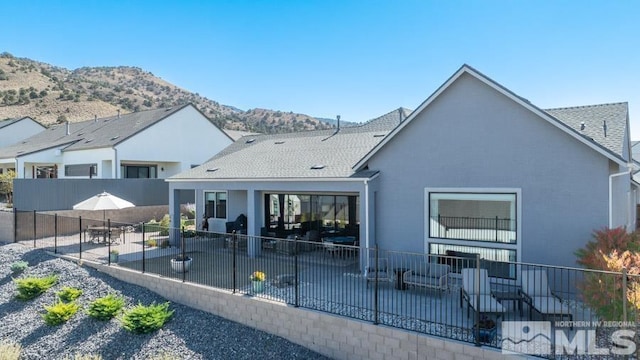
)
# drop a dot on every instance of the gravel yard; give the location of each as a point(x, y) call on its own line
point(190, 334)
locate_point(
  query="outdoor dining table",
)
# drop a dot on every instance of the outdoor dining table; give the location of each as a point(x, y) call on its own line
point(103, 233)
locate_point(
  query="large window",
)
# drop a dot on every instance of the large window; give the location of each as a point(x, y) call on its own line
point(215, 204)
point(81, 170)
point(473, 216)
point(300, 213)
point(139, 171)
point(465, 224)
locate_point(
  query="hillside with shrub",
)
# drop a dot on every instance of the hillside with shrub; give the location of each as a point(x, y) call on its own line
point(53, 94)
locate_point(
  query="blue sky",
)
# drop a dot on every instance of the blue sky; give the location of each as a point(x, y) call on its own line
point(359, 59)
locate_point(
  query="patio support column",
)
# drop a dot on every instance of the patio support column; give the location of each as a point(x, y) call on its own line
point(174, 215)
point(254, 243)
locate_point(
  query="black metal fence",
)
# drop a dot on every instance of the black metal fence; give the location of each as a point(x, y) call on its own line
point(474, 228)
point(416, 292)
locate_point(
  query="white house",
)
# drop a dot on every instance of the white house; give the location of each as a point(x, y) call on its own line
point(14, 130)
point(147, 144)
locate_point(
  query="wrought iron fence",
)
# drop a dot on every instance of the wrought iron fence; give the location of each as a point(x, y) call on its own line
point(448, 296)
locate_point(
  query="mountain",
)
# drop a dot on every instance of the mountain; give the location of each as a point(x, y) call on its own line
point(53, 94)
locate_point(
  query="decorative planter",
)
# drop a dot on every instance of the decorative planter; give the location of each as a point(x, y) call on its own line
point(257, 286)
point(180, 265)
point(487, 334)
point(113, 258)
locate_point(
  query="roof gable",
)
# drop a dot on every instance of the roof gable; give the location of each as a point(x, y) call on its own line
point(91, 134)
point(465, 69)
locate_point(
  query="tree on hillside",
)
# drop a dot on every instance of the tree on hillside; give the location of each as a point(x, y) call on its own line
point(6, 185)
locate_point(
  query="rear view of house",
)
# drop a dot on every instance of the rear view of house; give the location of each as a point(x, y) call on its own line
point(475, 169)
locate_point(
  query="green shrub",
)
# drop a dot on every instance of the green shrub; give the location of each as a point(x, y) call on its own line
point(152, 242)
point(69, 294)
point(10, 351)
point(151, 226)
point(145, 319)
point(60, 312)
point(164, 225)
point(19, 266)
point(105, 307)
point(31, 287)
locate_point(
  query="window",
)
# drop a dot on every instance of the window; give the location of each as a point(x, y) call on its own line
point(139, 171)
point(464, 224)
point(215, 204)
point(473, 216)
point(81, 170)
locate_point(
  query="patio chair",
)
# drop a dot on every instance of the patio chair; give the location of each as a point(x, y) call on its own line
point(379, 271)
point(536, 293)
point(478, 296)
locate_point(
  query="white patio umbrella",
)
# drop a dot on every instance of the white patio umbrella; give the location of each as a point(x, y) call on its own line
point(103, 201)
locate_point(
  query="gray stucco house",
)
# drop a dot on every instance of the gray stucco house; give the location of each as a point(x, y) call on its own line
point(475, 168)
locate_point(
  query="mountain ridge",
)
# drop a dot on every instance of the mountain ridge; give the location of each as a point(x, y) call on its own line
point(52, 94)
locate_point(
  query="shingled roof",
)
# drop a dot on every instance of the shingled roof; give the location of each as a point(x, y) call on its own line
point(308, 154)
point(89, 134)
point(605, 124)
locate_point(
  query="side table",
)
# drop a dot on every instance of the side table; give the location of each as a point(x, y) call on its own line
point(400, 285)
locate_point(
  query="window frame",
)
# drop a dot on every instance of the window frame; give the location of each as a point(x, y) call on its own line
point(428, 239)
point(216, 204)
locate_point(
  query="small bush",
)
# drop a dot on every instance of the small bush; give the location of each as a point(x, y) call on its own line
point(19, 266)
point(145, 319)
point(32, 287)
point(69, 294)
point(60, 312)
point(10, 351)
point(105, 307)
point(152, 242)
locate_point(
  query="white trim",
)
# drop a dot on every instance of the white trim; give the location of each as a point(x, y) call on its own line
point(498, 88)
point(363, 180)
point(484, 244)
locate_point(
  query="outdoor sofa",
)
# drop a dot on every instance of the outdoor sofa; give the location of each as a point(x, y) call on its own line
point(428, 275)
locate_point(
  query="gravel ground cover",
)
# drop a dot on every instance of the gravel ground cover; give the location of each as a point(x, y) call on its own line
point(190, 334)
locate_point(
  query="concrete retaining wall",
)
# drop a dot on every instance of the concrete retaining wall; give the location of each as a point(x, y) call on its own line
point(333, 336)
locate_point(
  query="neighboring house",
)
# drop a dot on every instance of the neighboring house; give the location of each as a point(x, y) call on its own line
point(475, 168)
point(13, 130)
point(147, 144)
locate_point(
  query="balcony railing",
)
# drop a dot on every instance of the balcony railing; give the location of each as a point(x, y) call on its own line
point(492, 229)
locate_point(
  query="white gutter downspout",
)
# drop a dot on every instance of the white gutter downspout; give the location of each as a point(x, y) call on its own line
point(366, 218)
point(115, 163)
point(627, 172)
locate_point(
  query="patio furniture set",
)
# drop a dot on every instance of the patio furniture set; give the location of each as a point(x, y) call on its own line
point(533, 289)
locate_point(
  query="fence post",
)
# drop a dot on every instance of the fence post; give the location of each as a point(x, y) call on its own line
point(15, 225)
point(80, 231)
point(108, 240)
point(375, 287)
point(143, 255)
point(624, 294)
point(233, 244)
point(476, 289)
point(184, 259)
point(496, 230)
point(295, 272)
point(34, 229)
point(55, 233)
